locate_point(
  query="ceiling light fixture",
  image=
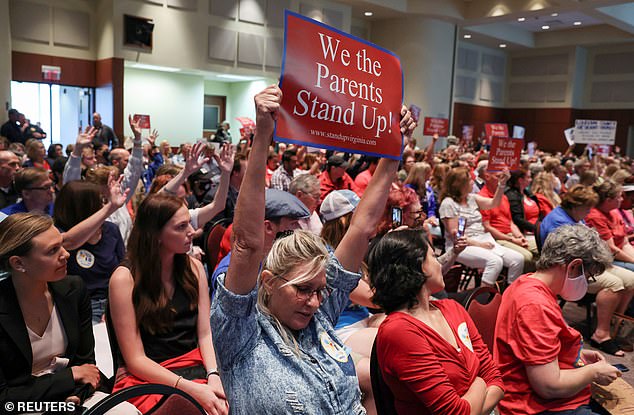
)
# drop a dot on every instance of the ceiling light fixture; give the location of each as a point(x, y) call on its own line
point(154, 67)
point(502, 45)
point(521, 19)
point(545, 27)
point(577, 23)
point(467, 36)
point(554, 14)
point(237, 77)
point(368, 14)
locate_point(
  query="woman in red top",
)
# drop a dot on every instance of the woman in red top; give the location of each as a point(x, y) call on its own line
point(543, 187)
point(430, 353)
point(607, 220)
point(36, 153)
point(542, 360)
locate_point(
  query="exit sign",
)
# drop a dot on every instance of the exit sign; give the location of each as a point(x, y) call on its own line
point(51, 73)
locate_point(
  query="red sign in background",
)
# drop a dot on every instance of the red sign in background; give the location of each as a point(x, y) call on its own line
point(143, 120)
point(438, 126)
point(340, 92)
point(496, 130)
point(505, 152)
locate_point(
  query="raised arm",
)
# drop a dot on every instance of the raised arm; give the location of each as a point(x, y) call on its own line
point(225, 162)
point(486, 203)
point(353, 246)
point(72, 169)
point(248, 223)
point(134, 169)
point(429, 152)
point(193, 163)
point(81, 233)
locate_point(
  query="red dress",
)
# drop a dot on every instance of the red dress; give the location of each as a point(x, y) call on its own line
point(426, 374)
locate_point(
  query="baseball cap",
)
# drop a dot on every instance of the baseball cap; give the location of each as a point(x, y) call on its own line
point(338, 203)
point(281, 204)
point(337, 161)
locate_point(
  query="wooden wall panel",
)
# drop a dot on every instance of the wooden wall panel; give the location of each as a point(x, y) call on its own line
point(109, 72)
point(27, 67)
point(543, 125)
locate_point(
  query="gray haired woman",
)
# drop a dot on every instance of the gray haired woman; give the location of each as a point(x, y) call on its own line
point(542, 360)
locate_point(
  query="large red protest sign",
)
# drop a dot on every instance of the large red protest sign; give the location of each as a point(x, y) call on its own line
point(340, 92)
point(496, 130)
point(505, 152)
point(143, 120)
point(438, 126)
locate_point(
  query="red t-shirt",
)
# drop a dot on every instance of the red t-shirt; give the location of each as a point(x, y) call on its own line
point(530, 331)
point(544, 204)
point(499, 217)
point(608, 226)
point(426, 374)
point(362, 180)
point(531, 210)
point(345, 182)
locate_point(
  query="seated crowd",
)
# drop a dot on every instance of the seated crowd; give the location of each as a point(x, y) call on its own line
point(326, 261)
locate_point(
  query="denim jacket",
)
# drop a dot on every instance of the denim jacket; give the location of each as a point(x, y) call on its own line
point(262, 375)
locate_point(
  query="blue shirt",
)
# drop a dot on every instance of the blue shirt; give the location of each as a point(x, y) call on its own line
point(220, 271)
point(556, 218)
point(262, 374)
point(20, 207)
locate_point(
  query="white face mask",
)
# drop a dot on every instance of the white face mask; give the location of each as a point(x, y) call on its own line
point(574, 288)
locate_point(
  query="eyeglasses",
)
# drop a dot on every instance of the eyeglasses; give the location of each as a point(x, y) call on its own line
point(304, 293)
point(46, 187)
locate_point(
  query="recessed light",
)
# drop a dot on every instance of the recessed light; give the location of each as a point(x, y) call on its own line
point(368, 14)
point(502, 45)
point(467, 36)
point(521, 19)
point(545, 27)
point(554, 14)
point(577, 23)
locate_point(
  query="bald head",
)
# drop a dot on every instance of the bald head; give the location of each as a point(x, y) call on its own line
point(9, 164)
point(96, 120)
point(119, 157)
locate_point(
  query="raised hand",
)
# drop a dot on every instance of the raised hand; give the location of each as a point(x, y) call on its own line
point(136, 130)
point(195, 159)
point(116, 197)
point(152, 138)
point(225, 160)
point(267, 105)
point(504, 176)
point(407, 124)
point(85, 139)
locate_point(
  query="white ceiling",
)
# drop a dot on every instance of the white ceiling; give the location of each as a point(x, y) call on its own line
point(492, 22)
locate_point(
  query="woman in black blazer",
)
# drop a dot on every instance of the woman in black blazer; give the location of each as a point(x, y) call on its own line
point(40, 304)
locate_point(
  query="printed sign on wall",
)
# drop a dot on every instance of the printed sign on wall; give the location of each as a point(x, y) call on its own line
point(340, 92)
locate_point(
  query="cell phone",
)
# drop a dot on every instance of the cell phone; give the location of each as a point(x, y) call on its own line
point(397, 217)
point(621, 367)
point(462, 223)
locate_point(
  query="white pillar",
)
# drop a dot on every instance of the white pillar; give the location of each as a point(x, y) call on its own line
point(426, 49)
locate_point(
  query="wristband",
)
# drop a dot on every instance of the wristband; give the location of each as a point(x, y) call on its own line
point(213, 372)
point(177, 380)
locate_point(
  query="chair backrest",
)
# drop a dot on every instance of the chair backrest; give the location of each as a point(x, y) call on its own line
point(212, 245)
point(538, 239)
point(483, 306)
point(114, 347)
point(174, 401)
point(383, 397)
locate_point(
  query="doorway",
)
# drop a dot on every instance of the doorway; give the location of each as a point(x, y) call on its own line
point(60, 110)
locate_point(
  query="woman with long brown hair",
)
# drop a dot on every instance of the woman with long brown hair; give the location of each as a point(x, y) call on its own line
point(160, 308)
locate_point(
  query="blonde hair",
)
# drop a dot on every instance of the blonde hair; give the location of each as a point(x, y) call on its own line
point(301, 251)
point(100, 175)
point(418, 175)
point(544, 184)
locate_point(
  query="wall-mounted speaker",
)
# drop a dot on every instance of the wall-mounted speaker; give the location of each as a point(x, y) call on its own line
point(137, 31)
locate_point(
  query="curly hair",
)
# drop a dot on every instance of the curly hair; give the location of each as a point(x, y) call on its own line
point(395, 266)
point(607, 190)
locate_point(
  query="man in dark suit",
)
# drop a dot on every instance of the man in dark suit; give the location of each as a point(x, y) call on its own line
point(11, 129)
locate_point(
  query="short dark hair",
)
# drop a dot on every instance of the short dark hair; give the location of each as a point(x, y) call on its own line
point(395, 265)
point(286, 156)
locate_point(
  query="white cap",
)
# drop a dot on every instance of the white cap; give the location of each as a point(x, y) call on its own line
point(338, 203)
